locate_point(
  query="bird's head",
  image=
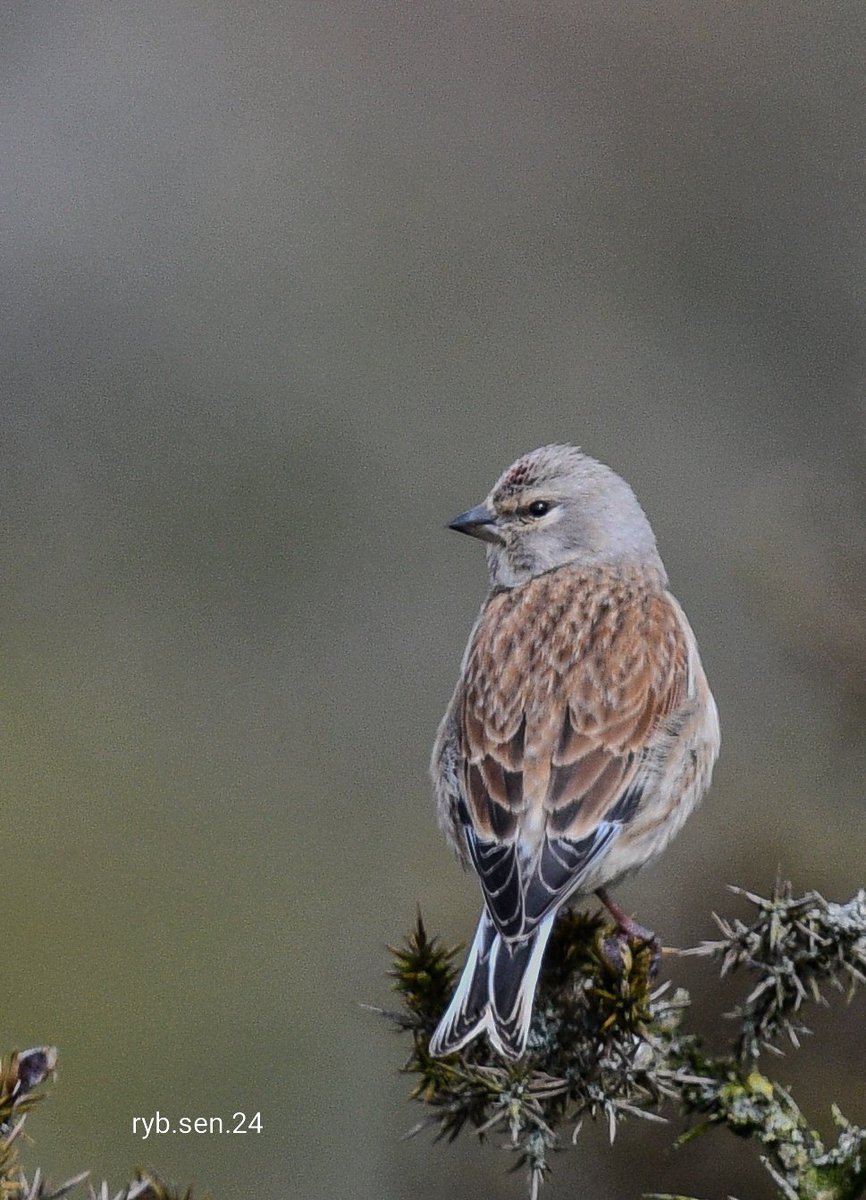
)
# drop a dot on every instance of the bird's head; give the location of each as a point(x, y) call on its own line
point(555, 506)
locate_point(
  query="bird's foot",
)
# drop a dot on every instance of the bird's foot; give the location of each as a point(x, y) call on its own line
point(615, 948)
point(629, 934)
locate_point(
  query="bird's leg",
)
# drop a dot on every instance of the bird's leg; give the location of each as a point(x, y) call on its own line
point(629, 929)
point(626, 924)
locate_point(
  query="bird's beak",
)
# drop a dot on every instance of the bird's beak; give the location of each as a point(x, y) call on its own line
point(479, 522)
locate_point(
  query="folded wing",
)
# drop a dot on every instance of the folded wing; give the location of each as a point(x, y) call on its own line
point(571, 688)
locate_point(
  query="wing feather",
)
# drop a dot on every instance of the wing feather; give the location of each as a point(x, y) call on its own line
point(569, 683)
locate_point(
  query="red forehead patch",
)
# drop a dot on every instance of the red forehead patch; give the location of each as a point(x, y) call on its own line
point(518, 477)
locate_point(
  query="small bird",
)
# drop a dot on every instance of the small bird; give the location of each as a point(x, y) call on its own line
point(582, 731)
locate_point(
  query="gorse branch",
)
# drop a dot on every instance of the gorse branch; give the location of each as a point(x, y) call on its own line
point(608, 1044)
point(793, 947)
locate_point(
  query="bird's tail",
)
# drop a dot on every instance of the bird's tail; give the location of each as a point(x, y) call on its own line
point(468, 1013)
point(495, 992)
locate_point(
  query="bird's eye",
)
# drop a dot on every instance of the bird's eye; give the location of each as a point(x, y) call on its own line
point(539, 508)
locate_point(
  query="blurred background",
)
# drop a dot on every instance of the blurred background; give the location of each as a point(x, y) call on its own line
point(285, 286)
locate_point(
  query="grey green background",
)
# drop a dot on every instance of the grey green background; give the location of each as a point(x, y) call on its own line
point(284, 287)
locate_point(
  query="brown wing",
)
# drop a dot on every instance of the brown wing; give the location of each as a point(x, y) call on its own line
point(570, 685)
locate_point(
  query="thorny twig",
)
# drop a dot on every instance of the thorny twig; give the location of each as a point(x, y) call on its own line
point(606, 1044)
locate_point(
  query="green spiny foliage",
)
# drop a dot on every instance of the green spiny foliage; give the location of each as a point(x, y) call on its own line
point(594, 1047)
point(424, 974)
point(606, 1043)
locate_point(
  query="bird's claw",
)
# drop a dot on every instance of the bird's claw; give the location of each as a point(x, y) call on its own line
point(618, 950)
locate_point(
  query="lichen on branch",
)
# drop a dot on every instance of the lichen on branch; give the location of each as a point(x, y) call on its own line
point(608, 1044)
point(793, 947)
